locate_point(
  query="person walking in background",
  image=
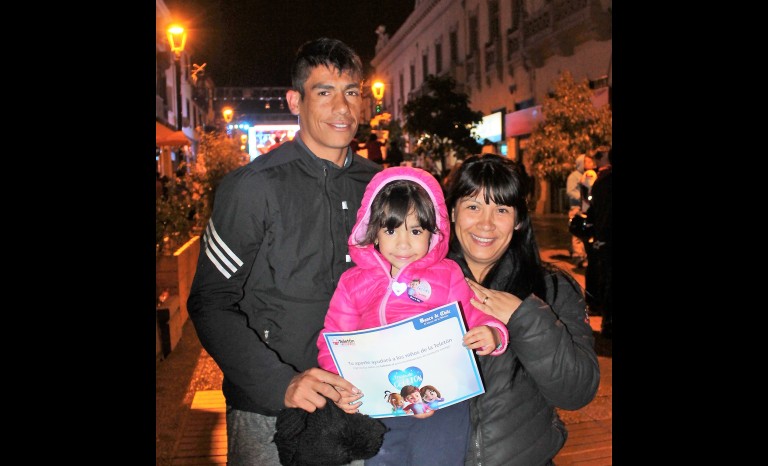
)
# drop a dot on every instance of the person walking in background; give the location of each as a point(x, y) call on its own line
point(600, 214)
point(354, 144)
point(573, 190)
point(274, 249)
point(394, 154)
point(401, 238)
point(551, 361)
point(374, 149)
point(275, 144)
point(590, 278)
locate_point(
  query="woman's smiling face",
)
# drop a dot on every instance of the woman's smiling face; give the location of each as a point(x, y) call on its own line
point(484, 231)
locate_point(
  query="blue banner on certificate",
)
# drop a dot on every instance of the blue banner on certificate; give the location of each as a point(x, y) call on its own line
point(409, 367)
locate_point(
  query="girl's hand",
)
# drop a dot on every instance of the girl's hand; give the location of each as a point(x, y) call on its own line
point(482, 339)
point(499, 304)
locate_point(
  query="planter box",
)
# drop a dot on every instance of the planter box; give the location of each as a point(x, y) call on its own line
point(169, 325)
point(175, 272)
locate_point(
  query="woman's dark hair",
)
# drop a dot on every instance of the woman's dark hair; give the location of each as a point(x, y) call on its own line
point(392, 205)
point(332, 53)
point(498, 179)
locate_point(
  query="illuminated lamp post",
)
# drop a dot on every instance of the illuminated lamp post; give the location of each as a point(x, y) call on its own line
point(378, 93)
point(227, 113)
point(177, 38)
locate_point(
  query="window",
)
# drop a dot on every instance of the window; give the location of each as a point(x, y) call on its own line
point(453, 44)
point(473, 40)
point(438, 58)
point(425, 66)
point(598, 83)
point(413, 76)
point(493, 21)
point(402, 81)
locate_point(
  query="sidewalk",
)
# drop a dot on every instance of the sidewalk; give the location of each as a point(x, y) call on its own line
point(189, 406)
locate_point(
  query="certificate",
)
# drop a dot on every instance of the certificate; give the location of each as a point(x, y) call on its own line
point(421, 354)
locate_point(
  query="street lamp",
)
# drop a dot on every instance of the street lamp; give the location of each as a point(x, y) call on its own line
point(227, 113)
point(177, 38)
point(378, 93)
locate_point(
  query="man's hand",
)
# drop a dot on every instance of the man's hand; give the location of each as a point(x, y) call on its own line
point(308, 389)
point(349, 402)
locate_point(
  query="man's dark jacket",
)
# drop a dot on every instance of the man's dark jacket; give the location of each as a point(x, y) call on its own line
point(270, 258)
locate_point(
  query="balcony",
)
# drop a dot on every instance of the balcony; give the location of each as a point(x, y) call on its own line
point(556, 29)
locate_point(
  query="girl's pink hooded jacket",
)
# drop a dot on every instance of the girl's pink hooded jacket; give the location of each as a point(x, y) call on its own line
point(368, 297)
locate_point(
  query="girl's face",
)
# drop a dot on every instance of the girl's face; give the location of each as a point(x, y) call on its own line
point(429, 395)
point(484, 231)
point(414, 397)
point(405, 244)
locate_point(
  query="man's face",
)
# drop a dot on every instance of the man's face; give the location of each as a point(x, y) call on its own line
point(329, 112)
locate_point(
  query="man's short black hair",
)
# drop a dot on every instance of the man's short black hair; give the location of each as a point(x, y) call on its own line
point(332, 53)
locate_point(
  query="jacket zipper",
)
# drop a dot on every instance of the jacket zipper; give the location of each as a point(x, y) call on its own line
point(330, 225)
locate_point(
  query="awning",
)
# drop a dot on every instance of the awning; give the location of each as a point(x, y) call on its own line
point(522, 121)
point(167, 137)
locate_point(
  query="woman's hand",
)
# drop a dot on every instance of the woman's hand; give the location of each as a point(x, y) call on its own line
point(499, 304)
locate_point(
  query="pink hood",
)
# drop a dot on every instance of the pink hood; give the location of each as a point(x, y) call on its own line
point(367, 256)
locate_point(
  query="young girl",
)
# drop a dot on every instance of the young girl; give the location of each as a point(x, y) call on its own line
point(401, 238)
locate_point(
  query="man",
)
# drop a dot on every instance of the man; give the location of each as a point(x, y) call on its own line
point(600, 214)
point(273, 251)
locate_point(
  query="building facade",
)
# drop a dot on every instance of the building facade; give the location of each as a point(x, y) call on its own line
point(506, 55)
point(196, 91)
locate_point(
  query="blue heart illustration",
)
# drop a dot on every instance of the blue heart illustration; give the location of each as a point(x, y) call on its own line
point(410, 376)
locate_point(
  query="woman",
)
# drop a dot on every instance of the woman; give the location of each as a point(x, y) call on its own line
point(551, 362)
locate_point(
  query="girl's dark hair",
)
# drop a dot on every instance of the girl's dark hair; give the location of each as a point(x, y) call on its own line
point(332, 53)
point(392, 205)
point(498, 179)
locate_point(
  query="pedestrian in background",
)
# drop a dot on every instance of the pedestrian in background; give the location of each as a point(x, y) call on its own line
point(394, 154)
point(374, 149)
point(573, 188)
point(274, 250)
point(551, 361)
point(600, 214)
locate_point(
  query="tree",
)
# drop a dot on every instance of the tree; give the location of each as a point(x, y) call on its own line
point(572, 125)
point(190, 195)
point(217, 155)
point(442, 120)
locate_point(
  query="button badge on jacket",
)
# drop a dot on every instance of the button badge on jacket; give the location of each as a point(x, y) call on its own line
point(419, 290)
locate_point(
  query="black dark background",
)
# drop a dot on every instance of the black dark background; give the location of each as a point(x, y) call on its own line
point(252, 42)
point(82, 219)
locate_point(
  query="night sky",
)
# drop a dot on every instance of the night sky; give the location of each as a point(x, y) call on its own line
point(252, 42)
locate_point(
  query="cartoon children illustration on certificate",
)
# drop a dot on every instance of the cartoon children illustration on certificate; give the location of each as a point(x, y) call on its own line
point(413, 396)
point(431, 395)
point(397, 402)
